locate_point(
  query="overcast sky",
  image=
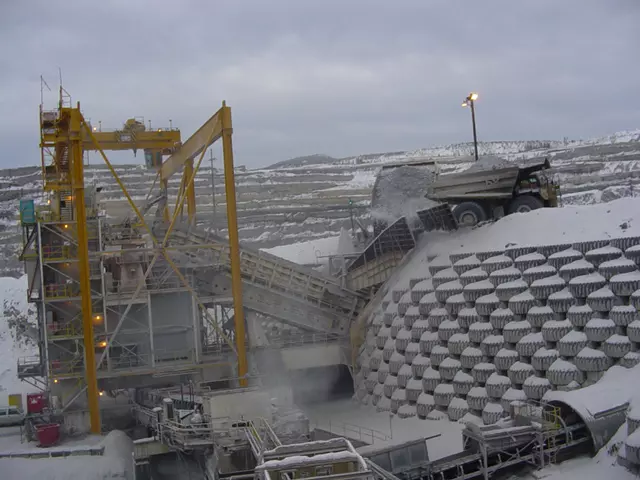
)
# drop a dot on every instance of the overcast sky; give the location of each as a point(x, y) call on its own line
point(339, 77)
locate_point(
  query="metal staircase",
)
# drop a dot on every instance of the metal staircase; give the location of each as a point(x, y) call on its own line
point(272, 286)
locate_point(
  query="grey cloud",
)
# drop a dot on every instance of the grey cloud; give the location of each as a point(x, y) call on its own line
point(338, 77)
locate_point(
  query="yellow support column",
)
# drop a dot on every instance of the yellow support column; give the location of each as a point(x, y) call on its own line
point(234, 244)
point(191, 192)
point(77, 169)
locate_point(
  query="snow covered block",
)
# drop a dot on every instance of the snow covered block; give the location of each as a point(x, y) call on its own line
point(630, 360)
point(633, 419)
point(402, 340)
point(472, 276)
point(562, 373)
point(538, 316)
point(448, 368)
point(462, 383)
point(375, 360)
point(535, 387)
point(397, 294)
point(414, 281)
point(376, 323)
point(428, 303)
point(532, 274)
point(420, 289)
point(419, 365)
point(548, 250)
point(438, 354)
point(500, 317)
point(444, 291)
point(504, 275)
point(521, 303)
point(633, 253)
point(544, 358)
point(632, 448)
point(407, 411)
point(589, 245)
point(602, 254)
point(443, 394)
point(479, 331)
point(457, 343)
point(528, 345)
point(623, 315)
point(473, 291)
point(542, 288)
point(625, 284)
point(455, 303)
point(614, 267)
point(623, 243)
point(575, 269)
point(425, 405)
point(534, 259)
point(428, 340)
point(599, 329)
point(404, 375)
point(616, 346)
point(404, 303)
point(468, 316)
point(556, 329)
point(457, 409)
point(436, 317)
point(482, 256)
point(519, 372)
point(482, 371)
point(444, 276)
point(388, 350)
point(371, 381)
point(398, 398)
point(430, 379)
point(514, 331)
point(505, 291)
point(441, 262)
point(390, 385)
point(510, 396)
point(566, 388)
point(487, 304)
point(383, 335)
point(603, 300)
point(390, 313)
point(590, 360)
point(395, 363)
point(360, 395)
point(396, 326)
point(383, 372)
point(516, 251)
point(418, 329)
point(579, 315)
point(505, 358)
point(491, 345)
point(437, 415)
point(470, 357)
point(492, 412)
point(411, 351)
point(495, 263)
point(383, 405)
point(477, 398)
point(465, 264)
point(497, 385)
point(562, 301)
point(411, 316)
point(564, 257)
point(571, 344)
point(583, 285)
point(414, 389)
point(378, 393)
point(385, 303)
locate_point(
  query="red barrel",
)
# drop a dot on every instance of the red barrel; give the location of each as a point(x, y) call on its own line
point(36, 402)
point(48, 434)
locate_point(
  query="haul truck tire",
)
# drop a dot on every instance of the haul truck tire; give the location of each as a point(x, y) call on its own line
point(525, 203)
point(468, 214)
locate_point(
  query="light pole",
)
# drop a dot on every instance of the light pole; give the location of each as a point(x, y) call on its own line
point(470, 102)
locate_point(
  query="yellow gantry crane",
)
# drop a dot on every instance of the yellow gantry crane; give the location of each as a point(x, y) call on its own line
point(64, 135)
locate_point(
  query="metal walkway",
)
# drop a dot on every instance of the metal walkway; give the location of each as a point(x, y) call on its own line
point(272, 286)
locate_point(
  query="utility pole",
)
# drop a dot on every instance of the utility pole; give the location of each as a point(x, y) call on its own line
point(353, 228)
point(470, 102)
point(213, 190)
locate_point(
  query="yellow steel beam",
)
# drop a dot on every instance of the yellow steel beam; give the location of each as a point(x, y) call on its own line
point(163, 140)
point(234, 243)
point(208, 133)
point(191, 191)
point(77, 168)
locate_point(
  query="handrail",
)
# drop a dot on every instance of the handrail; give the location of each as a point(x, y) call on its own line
point(349, 430)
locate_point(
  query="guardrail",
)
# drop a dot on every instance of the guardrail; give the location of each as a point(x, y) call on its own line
point(351, 431)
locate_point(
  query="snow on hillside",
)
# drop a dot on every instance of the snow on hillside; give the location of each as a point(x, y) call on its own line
point(16, 323)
